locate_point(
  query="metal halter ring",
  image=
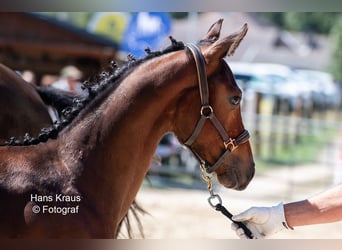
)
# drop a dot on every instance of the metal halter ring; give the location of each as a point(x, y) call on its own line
point(213, 197)
point(207, 108)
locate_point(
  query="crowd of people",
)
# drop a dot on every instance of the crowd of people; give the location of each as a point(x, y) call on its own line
point(69, 80)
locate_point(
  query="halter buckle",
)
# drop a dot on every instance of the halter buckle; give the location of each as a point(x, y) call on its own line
point(230, 144)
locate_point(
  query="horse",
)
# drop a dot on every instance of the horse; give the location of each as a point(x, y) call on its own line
point(22, 109)
point(79, 178)
point(22, 101)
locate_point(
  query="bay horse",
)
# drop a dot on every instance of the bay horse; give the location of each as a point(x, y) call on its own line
point(24, 109)
point(79, 179)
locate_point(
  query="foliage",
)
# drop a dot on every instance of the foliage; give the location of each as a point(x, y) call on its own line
point(336, 58)
point(79, 19)
point(315, 22)
point(326, 23)
point(179, 15)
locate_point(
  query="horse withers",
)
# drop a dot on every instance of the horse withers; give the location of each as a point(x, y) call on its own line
point(105, 144)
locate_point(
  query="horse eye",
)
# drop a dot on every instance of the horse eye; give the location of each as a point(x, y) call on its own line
point(235, 100)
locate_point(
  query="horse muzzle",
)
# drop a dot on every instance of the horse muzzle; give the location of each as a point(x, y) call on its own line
point(234, 177)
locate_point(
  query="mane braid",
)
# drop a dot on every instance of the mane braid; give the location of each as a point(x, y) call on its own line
point(94, 87)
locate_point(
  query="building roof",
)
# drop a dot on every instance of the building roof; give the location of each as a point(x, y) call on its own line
point(45, 45)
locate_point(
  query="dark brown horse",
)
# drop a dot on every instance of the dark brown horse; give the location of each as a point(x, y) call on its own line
point(80, 179)
point(22, 110)
point(25, 110)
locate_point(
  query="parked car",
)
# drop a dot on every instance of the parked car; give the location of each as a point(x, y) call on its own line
point(273, 80)
point(326, 91)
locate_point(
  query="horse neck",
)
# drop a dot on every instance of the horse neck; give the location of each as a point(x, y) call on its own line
point(117, 141)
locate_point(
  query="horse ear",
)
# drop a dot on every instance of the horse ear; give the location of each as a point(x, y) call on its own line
point(214, 31)
point(224, 46)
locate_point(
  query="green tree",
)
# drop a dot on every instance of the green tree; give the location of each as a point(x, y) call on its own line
point(315, 22)
point(276, 18)
point(336, 57)
point(79, 19)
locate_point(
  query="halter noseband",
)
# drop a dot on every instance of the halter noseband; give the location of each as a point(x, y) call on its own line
point(207, 112)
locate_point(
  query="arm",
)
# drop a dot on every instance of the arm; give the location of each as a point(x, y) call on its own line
point(322, 208)
point(264, 221)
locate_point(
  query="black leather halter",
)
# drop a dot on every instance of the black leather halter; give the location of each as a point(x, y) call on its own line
point(207, 113)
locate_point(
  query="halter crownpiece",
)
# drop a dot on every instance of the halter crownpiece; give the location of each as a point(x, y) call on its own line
point(207, 113)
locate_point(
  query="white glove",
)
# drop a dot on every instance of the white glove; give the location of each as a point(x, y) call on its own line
point(262, 221)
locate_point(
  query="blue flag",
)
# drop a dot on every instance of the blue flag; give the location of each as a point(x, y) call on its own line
point(145, 29)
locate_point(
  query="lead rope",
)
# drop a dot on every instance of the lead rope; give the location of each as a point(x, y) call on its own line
point(218, 204)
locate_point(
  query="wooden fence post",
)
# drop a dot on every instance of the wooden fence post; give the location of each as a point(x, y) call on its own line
point(257, 136)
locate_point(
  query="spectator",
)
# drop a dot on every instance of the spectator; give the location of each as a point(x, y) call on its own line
point(70, 80)
point(29, 77)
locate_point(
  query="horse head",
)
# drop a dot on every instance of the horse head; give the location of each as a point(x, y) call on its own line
point(208, 119)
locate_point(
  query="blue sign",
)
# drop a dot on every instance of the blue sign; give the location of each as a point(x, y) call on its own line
point(145, 29)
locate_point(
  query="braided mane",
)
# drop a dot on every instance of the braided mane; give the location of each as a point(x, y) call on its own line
point(107, 80)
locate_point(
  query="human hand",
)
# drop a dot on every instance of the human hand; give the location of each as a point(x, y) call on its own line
point(262, 221)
